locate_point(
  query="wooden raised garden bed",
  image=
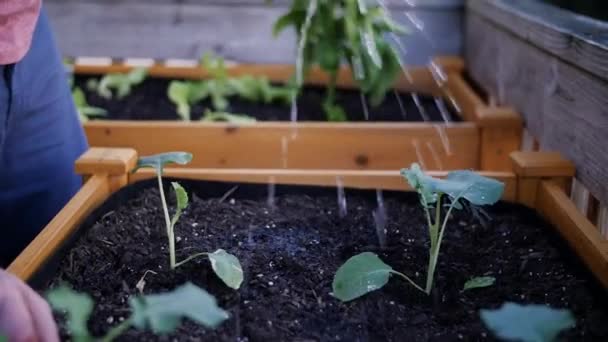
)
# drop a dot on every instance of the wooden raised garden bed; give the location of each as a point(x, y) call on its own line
point(478, 137)
point(292, 247)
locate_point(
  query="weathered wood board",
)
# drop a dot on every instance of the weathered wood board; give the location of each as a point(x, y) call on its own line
point(239, 30)
point(565, 107)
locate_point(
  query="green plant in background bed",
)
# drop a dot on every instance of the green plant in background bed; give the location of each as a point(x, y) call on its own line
point(160, 313)
point(219, 87)
point(336, 31)
point(85, 111)
point(527, 323)
point(121, 83)
point(225, 265)
point(227, 117)
point(366, 272)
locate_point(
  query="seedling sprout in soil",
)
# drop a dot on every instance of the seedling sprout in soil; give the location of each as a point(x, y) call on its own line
point(336, 31)
point(527, 323)
point(366, 272)
point(121, 83)
point(160, 313)
point(219, 87)
point(83, 108)
point(225, 265)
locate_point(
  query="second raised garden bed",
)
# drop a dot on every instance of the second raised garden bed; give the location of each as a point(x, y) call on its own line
point(477, 136)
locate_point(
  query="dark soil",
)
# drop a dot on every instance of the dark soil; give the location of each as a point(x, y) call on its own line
point(291, 252)
point(149, 101)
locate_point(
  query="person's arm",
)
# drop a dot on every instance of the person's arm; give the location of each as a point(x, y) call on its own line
point(24, 315)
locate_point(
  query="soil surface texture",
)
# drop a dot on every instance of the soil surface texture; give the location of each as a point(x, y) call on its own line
point(290, 250)
point(149, 101)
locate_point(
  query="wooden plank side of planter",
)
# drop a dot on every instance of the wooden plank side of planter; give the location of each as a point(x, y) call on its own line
point(380, 179)
point(379, 146)
point(583, 236)
point(564, 107)
point(94, 192)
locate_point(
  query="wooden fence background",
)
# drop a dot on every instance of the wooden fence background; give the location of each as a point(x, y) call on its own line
point(239, 30)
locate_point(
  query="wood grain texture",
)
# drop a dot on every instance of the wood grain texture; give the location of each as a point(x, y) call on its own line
point(236, 30)
point(541, 164)
point(369, 179)
point(582, 235)
point(112, 161)
point(356, 146)
point(575, 39)
point(90, 196)
point(564, 107)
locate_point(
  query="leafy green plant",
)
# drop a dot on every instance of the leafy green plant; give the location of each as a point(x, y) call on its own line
point(227, 117)
point(478, 282)
point(220, 87)
point(160, 313)
point(365, 272)
point(527, 323)
point(121, 83)
point(83, 108)
point(335, 31)
point(225, 265)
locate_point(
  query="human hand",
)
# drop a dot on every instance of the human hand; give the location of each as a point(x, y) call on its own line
point(24, 315)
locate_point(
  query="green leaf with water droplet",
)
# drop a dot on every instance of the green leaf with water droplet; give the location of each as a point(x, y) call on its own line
point(527, 323)
point(162, 313)
point(359, 275)
point(478, 282)
point(76, 306)
point(158, 161)
point(227, 267)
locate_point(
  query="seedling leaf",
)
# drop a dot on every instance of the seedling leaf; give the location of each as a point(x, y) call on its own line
point(361, 274)
point(158, 161)
point(162, 313)
point(178, 93)
point(227, 267)
point(137, 75)
point(77, 307)
point(227, 117)
point(527, 323)
point(479, 282)
point(182, 201)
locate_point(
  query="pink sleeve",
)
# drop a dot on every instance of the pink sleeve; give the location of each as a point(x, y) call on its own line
point(17, 22)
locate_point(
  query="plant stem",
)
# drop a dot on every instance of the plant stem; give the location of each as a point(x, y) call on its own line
point(190, 258)
point(413, 283)
point(330, 97)
point(167, 221)
point(117, 331)
point(435, 251)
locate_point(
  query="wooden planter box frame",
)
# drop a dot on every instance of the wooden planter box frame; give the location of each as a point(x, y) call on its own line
point(483, 141)
point(536, 179)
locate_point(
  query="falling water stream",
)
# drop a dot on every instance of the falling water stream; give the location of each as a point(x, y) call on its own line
point(342, 208)
point(380, 219)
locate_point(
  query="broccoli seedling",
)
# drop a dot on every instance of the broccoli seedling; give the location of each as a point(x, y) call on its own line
point(85, 111)
point(527, 323)
point(225, 265)
point(121, 83)
point(186, 93)
point(334, 31)
point(366, 272)
point(160, 313)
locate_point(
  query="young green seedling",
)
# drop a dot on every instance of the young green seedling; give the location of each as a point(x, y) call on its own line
point(82, 107)
point(160, 313)
point(121, 83)
point(527, 323)
point(184, 94)
point(334, 31)
point(227, 117)
point(366, 272)
point(225, 265)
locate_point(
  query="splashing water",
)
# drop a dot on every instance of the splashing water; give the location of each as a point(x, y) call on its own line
point(380, 219)
point(284, 151)
point(310, 12)
point(342, 208)
point(400, 102)
point(365, 106)
point(441, 80)
point(271, 192)
point(419, 156)
point(445, 141)
point(435, 155)
point(421, 109)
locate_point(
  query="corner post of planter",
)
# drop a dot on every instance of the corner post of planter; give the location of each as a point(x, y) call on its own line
point(533, 167)
point(501, 130)
point(115, 163)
